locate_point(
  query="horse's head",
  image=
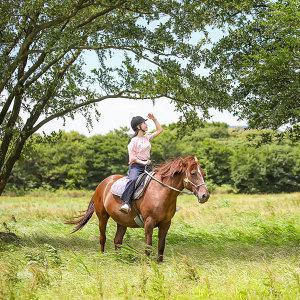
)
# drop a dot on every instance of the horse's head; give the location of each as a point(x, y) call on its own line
point(194, 181)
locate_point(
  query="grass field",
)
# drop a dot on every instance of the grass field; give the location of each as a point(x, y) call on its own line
point(232, 247)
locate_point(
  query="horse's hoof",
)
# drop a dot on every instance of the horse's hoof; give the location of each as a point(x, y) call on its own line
point(160, 259)
point(118, 247)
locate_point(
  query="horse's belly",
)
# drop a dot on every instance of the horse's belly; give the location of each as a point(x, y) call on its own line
point(125, 221)
point(112, 208)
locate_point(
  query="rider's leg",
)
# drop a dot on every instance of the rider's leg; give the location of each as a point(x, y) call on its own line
point(134, 171)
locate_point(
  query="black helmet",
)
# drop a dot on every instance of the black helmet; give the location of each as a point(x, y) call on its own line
point(135, 121)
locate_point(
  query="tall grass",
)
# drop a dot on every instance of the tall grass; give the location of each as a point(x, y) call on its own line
point(232, 247)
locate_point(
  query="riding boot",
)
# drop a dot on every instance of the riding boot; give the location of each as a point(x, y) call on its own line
point(125, 208)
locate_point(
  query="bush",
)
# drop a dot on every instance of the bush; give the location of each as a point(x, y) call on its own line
point(270, 168)
point(250, 161)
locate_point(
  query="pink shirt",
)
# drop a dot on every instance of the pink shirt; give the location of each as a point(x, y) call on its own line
point(139, 147)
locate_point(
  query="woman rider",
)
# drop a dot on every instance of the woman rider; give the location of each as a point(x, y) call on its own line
point(139, 155)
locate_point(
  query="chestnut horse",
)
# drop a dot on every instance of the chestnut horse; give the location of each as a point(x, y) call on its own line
point(157, 206)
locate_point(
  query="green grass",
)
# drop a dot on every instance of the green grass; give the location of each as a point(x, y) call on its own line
point(232, 247)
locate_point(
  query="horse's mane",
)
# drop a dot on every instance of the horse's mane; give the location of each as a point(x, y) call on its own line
point(174, 166)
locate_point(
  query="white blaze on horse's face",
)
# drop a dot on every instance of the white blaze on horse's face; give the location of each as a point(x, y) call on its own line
point(203, 193)
point(194, 181)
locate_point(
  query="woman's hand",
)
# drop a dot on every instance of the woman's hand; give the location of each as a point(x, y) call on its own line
point(143, 162)
point(151, 116)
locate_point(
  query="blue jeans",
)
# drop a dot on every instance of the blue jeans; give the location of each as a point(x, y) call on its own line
point(134, 171)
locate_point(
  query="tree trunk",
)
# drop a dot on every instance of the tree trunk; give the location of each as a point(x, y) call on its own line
point(11, 160)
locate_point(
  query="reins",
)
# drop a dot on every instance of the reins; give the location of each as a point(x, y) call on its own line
point(170, 187)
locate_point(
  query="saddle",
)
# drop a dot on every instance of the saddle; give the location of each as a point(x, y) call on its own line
point(141, 184)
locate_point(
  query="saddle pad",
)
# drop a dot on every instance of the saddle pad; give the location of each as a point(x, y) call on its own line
point(118, 187)
point(142, 182)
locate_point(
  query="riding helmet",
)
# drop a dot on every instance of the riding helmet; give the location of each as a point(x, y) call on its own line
point(135, 121)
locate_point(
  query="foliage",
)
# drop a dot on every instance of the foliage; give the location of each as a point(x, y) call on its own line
point(258, 63)
point(271, 169)
point(54, 164)
point(106, 155)
point(144, 49)
point(250, 161)
point(141, 49)
point(215, 156)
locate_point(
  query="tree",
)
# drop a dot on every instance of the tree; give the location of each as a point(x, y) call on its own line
point(253, 161)
point(106, 155)
point(270, 168)
point(259, 62)
point(53, 161)
point(43, 43)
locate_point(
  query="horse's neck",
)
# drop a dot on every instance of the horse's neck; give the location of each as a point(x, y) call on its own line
point(175, 182)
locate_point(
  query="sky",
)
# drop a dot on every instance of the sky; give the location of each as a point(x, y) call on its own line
point(116, 113)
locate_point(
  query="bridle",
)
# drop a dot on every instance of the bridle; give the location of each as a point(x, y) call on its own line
point(197, 186)
point(186, 180)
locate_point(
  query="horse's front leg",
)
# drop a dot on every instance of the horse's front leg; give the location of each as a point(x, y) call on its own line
point(162, 232)
point(149, 225)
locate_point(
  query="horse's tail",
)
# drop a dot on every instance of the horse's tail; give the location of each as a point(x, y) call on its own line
point(81, 220)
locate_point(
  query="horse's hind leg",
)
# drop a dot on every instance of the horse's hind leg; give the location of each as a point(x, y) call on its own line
point(162, 233)
point(103, 218)
point(119, 236)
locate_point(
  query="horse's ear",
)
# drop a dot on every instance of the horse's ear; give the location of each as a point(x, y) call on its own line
point(196, 159)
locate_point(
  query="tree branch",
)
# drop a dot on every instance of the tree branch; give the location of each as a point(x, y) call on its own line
point(79, 105)
point(49, 93)
point(9, 128)
point(19, 57)
point(128, 47)
point(64, 18)
point(73, 108)
point(101, 13)
point(20, 83)
point(46, 68)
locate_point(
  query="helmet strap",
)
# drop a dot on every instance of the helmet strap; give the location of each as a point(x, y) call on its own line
point(139, 128)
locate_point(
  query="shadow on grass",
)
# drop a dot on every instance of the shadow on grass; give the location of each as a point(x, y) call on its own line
point(74, 243)
point(9, 238)
point(201, 246)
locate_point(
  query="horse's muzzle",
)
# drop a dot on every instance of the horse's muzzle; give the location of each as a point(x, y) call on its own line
point(203, 198)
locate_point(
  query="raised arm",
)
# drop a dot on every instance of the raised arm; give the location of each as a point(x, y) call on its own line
point(159, 129)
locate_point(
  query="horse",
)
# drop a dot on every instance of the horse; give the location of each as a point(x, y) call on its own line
point(157, 206)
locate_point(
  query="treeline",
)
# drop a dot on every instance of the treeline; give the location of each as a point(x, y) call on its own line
point(249, 161)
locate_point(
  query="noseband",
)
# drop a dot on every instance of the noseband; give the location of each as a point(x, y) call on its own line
point(197, 186)
point(186, 180)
